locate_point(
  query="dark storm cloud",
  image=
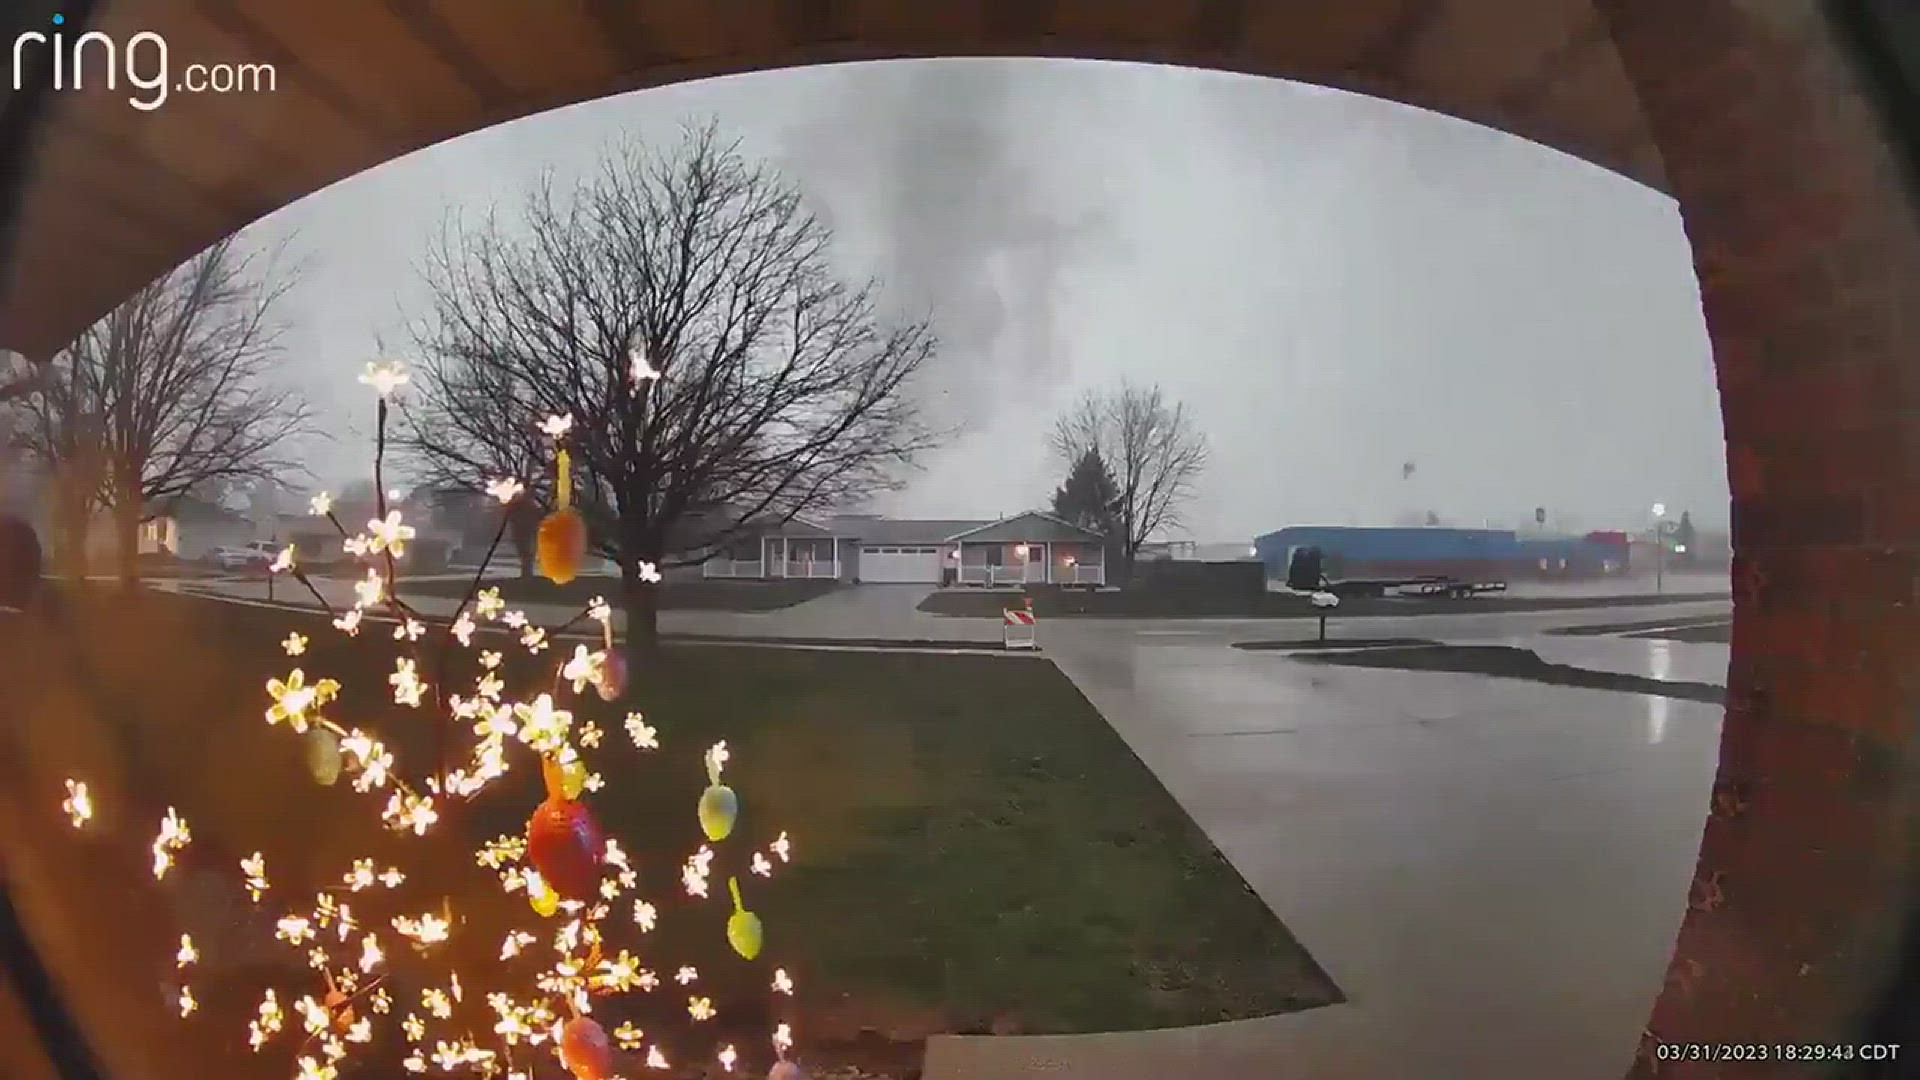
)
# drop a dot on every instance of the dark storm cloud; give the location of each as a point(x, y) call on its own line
point(1335, 285)
point(962, 219)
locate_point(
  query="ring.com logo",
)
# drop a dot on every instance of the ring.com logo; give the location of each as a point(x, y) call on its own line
point(143, 60)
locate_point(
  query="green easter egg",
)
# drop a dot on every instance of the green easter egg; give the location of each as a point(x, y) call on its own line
point(323, 756)
point(719, 807)
point(743, 933)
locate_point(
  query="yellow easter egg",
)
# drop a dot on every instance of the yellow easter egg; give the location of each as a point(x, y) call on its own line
point(541, 897)
point(573, 778)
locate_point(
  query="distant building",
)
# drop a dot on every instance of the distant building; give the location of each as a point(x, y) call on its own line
point(1195, 551)
point(1029, 548)
point(184, 527)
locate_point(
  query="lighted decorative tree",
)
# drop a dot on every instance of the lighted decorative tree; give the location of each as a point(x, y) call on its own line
point(580, 886)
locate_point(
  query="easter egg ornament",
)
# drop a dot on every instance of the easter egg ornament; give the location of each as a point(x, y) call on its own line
point(323, 756)
point(586, 1050)
point(573, 778)
point(743, 926)
point(613, 674)
point(719, 806)
point(541, 897)
point(561, 544)
point(564, 843)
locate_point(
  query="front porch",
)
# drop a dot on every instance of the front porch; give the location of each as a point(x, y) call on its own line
point(775, 558)
point(999, 564)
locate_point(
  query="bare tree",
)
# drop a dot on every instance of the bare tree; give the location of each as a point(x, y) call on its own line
point(472, 424)
point(681, 307)
point(1153, 448)
point(168, 394)
point(18, 378)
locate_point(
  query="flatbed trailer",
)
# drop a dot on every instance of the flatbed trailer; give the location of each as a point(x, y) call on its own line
point(1454, 589)
point(1306, 573)
point(1425, 586)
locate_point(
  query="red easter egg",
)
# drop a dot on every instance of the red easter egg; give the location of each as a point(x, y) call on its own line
point(613, 677)
point(586, 1049)
point(565, 845)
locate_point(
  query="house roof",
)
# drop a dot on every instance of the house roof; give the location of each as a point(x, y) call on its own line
point(191, 506)
point(903, 530)
point(1032, 525)
point(798, 526)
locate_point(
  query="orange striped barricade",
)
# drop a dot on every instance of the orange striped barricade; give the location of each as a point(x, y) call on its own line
point(1017, 628)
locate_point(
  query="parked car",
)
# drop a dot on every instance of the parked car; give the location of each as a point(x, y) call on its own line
point(254, 554)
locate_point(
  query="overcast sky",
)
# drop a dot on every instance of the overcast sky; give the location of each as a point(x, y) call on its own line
point(1333, 284)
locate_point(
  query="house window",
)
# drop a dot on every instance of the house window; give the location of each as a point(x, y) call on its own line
point(801, 551)
point(996, 555)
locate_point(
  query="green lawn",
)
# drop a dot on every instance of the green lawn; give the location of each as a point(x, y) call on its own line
point(677, 595)
point(973, 844)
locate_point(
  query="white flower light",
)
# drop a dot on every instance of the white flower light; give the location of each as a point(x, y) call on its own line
point(643, 369)
point(385, 377)
point(78, 804)
point(557, 425)
point(389, 534)
point(506, 490)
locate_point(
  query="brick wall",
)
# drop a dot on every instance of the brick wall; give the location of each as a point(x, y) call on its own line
point(1808, 254)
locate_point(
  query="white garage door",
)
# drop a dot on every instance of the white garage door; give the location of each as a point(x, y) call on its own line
point(918, 565)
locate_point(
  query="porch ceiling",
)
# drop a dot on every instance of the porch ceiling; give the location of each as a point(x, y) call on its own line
point(111, 196)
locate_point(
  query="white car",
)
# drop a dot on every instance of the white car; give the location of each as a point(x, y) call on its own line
point(254, 554)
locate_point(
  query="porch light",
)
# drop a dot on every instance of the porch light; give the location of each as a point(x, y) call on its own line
point(1019, 551)
point(1071, 560)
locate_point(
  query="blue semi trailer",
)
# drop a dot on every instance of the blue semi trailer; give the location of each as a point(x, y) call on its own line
point(1456, 562)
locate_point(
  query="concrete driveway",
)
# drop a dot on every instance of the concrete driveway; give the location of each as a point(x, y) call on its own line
point(889, 612)
point(1492, 870)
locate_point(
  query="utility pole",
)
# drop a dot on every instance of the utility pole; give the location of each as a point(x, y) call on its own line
point(1659, 548)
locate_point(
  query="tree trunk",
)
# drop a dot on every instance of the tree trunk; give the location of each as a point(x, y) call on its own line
point(126, 535)
point(641, 603)
point(523, 526)
point(70, 536)
point(69, 495)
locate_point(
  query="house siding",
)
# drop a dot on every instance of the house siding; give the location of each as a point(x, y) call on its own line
point(849, 558)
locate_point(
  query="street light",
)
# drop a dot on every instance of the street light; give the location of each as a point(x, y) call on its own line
point(1659, 548)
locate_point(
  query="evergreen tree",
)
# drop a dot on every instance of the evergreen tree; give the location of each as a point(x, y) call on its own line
point(1089, 495)
point(1091, 499)
point(1683, 537)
